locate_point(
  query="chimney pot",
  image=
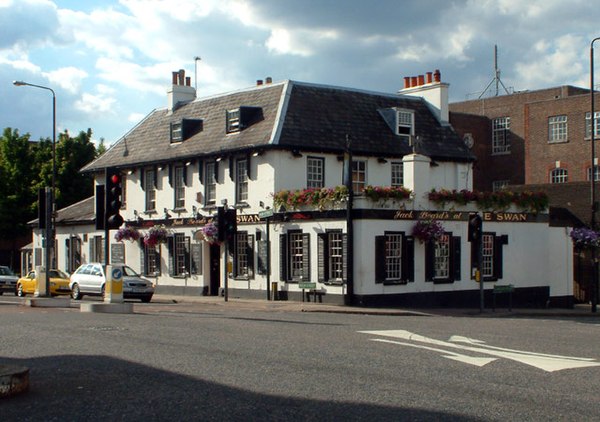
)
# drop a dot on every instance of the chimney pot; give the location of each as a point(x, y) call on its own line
point(269, 80)
point(437, 76)
point(259, 82)
point(413, 81)
point(175, 75)
point(181, 77)
point(421, 80)
point(407, 82)
point(429, 77)
point(188, 81)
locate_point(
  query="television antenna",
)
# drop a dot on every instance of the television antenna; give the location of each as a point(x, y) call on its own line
point(496, 79)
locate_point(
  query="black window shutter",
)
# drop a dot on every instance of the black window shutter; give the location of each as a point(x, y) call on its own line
point(231, 169)
point(305, 256)
point(155, 181)
point(234, 253)
point(216, 172)
point(408, 258)
point(143, 268)
point(498, 242)
point(283, 244)
point(158, 261)
point(429, 261)
point(143, 178)
point(455, 256)
point(248, 167)
point(171, 248)
point(185, 178)
point(187, 255)
point(201, 171)
point(322, 257)
point(379, 259)
point(171, 169)
point(344, 257)
point(473, 259)
point(250, 256)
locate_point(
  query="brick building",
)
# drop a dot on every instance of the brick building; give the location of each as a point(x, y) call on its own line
point(530, 137)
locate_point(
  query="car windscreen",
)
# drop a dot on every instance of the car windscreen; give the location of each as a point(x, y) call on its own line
point(129, 272)
point(6, 271)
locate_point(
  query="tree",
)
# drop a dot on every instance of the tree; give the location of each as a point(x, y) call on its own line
point(71, 155)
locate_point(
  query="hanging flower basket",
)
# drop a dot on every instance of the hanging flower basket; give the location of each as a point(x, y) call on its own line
point(210, 233)
point(127, 233)
point(584, 238)
point(428, 230)
point(156, 235)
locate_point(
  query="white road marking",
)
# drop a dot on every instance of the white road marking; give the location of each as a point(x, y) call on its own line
point(546, 362)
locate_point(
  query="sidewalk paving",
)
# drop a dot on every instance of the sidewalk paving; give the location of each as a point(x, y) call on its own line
point(583, 310)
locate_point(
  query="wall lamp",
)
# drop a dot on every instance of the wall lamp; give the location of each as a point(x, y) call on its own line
point(381, 160)
point(167, 215)
point(296, 153)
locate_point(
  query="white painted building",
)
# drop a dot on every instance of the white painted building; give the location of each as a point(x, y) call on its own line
point(247, 147)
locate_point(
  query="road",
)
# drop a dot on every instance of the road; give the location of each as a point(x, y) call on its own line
point(201, 362)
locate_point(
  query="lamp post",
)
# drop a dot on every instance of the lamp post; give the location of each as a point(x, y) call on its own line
point(593, 176)
point(50, 222)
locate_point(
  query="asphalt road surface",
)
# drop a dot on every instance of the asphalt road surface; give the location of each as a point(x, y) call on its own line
point(197, 362)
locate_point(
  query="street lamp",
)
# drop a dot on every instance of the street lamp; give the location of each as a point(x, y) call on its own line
point(50, 222)
point(593, 175)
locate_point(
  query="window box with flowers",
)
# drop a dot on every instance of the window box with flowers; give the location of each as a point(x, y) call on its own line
point(127, 233)
point(428, 230)
point(528, 201)
point(155, 236)
point(313, 197)
point(385, 193)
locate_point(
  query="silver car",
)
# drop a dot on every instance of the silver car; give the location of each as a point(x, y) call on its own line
point(90, 279)
point(8, 280)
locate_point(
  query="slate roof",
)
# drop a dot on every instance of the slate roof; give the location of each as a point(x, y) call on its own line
point(81, 212)
point(295, 115)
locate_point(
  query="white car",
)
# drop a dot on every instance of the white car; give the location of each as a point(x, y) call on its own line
point(90, 279)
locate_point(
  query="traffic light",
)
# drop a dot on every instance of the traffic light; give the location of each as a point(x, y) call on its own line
point(220, 223)
point(230, 228)
point(113, 198)
point(475, 223)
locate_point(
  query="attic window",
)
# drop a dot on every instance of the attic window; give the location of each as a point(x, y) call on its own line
point(233, 120)
point(405, 123)
point(184, 129)
point(176, 132)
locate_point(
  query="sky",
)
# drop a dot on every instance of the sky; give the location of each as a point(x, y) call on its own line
point(109, 62)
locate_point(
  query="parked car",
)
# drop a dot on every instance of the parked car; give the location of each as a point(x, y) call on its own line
point(90, 279)
point(8, 280)
point(59, 283)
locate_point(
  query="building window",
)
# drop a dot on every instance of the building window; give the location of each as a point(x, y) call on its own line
point(332, 247)
point(179, 255)
point(397, 174)
point(150, 260)
point(243, 261)
point(588, 126)
point(315, 172)
point(394, 258)
point(498, 185)
point(179, 187)
point(557, 129)
point(150, 189)
point(96, 244)
point(491, 256)
point(359, 175)
point(559, 176)
point(295, 256)
point(233, 120)
point(176, 132)
point(241, 180)
point(501, 135)
point(210, 187)
point(442, 259)
point(405, 120)
point(596, 173)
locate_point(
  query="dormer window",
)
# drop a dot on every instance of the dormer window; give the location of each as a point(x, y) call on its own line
point(233, 120)
point(176, 132)
point(184, 129)
point(240, 118)
point(405, 120)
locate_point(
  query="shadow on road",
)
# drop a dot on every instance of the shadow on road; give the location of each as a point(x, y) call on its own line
point(96, 388)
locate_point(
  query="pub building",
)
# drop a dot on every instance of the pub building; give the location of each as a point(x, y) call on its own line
point(339, 195)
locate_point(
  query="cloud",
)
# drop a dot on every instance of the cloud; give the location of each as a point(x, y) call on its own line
point(68, 78)
point(39, 17)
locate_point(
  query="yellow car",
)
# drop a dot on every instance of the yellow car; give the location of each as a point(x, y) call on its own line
point(59, 284)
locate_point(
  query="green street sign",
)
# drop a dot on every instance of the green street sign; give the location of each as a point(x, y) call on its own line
point(265, 214)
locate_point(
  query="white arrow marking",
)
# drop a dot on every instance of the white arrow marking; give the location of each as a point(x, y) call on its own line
point(545, 362)
point(449, 355)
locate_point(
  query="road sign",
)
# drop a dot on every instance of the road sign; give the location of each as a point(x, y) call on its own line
point(265, 214)
point(307, 285)
point(117, 274)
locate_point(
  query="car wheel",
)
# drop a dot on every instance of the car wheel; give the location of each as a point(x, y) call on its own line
point(20, 291)
point(103, 292)
point(147, 299)
point(75, 292)
point(1, 292)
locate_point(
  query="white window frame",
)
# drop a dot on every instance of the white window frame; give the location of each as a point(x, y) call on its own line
point(336, 256)
point(596, 173)
point(315, 172)
point(498, 185)
point(210, 186)
point(150, 189)
point(442, 257)
point(397, 174)
point(501, 135)
point(241, 180)
point(179, 187)
point(359, 175)
point(296, 255)
point(241, 254)
point(557, 129)
point(559, 175)
point(179, 254)
point(487, 255)
point(393, 256)
point(233, 120)
point(596, 125)
point(176, 131)
point(405, 123)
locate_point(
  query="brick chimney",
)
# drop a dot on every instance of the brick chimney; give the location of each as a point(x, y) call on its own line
point(430, 88)
point(180, 92)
